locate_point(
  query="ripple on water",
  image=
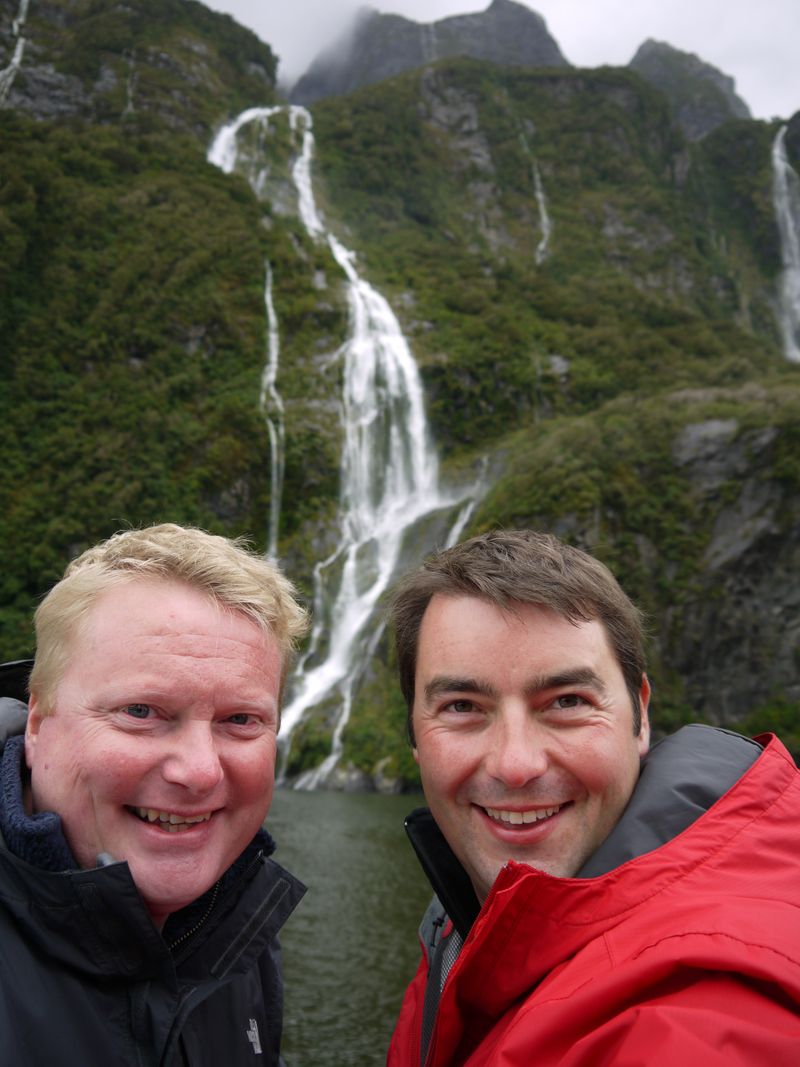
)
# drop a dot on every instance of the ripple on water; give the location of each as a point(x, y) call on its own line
point(351, 947)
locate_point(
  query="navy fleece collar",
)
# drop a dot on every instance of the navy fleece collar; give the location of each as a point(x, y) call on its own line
point(37, 839)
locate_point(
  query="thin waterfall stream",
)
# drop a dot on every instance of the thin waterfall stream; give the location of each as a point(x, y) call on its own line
point(786, 198)
point(545, 224)
point(272, 408)
point(224, 153)
point(389, 476)
point(9, 73)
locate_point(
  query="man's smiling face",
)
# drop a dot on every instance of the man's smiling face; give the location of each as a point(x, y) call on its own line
point(524, 735)
point(160, 748)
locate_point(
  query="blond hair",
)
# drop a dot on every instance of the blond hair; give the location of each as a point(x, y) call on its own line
point(226, 569)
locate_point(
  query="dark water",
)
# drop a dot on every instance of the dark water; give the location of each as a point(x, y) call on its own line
point(351, 947)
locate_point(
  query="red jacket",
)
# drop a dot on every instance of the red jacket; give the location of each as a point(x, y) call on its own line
point(687, 956)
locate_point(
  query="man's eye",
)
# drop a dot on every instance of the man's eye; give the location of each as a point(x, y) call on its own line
point(241, 718)
point(462, 706)
point(569, 700)
point(137, 711)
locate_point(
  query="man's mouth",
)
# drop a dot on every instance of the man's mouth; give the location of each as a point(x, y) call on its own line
point(169, 820)
point(522, 818)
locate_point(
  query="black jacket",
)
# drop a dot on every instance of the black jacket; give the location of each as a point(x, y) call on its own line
point(86, 978)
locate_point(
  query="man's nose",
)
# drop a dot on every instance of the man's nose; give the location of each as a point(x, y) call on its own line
point(193, 760)
point(517, 751)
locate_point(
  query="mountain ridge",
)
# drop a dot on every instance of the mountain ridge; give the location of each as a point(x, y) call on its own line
point(701, 96)
point(380, 46)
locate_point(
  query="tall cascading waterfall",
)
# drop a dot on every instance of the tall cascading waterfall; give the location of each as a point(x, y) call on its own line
point(224, 153)
point(389, 492)
point(786, 197)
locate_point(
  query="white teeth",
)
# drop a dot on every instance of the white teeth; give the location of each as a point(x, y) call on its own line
point(519, 818)
point(169, 820)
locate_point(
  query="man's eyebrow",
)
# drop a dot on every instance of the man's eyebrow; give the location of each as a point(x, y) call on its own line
point(447, 684)
point(579, 678)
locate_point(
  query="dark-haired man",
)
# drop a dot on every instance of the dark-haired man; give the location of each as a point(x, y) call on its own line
point(595, 903)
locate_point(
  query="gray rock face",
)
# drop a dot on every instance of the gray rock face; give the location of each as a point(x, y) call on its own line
point(381, 46)
point(738, 634)
point(102, 62)
point(701, 96)
point(44, 93)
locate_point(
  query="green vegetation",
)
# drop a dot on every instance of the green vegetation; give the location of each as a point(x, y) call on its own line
point(629, 390)
point(175, 60)
point(628, 294)
point(133, 322)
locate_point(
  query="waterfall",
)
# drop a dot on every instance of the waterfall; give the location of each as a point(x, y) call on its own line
point(545, 225)
point(130, 84)
point(786, 197)
point(543, 248)
point(430, 45)
point(391, 506)
point(9, 73)
point(224, 153)
point(272, 409)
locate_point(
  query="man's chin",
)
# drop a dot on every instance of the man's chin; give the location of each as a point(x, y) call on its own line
point(166, 892)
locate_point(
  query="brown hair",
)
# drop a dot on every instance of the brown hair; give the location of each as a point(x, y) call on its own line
point(508, 567)
point(225, 569)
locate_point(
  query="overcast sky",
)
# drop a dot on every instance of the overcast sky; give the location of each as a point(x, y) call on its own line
point(757, 42)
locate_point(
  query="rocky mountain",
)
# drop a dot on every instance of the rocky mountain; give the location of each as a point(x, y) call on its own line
point(103, 61)
point(377, 47)
point(701, 97)
point(380, 46)
point(590, 295)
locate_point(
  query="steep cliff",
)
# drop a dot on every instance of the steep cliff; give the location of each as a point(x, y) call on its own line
point(381, 46)
point(590, 296)
point(701, 97)
point(102, 60)
point(638, 361)
point(132, 317)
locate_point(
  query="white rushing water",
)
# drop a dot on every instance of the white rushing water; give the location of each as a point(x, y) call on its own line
point(786, 198)
point(430, 45)
point(272, 409)
point(224, 153)
point(9, 73)
point(389, 474)
point(545, 225)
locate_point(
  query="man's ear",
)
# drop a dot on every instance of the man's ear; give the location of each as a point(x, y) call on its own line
point(32, 730)
point(644, 704)
point(415, 754)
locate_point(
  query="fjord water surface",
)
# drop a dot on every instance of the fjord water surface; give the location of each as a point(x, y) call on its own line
point(351, 946)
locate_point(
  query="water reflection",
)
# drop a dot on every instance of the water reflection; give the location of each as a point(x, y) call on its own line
point(351, 947)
